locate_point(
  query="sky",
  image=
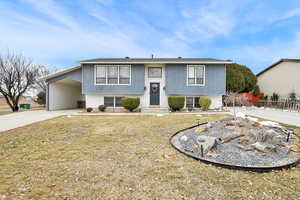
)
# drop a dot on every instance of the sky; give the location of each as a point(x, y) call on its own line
point(255, 33)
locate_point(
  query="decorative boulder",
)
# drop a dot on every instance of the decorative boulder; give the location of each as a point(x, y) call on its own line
point(207, 142)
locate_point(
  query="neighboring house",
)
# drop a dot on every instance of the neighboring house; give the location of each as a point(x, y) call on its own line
point(23, 100)
point(106, 81)
point(283, 77)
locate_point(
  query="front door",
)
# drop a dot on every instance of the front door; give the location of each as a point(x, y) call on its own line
point(154, 93)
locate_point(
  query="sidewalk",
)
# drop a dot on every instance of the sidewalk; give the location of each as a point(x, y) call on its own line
point(291, 118)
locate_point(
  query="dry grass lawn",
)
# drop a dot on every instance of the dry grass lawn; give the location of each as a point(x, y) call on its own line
point(122, 157)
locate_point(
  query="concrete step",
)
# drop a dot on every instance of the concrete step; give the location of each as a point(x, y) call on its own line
point(155, 110)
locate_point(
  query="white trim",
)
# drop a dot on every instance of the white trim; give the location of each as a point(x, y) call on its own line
point(187, 76)
point(106, 79)
point(158, 62)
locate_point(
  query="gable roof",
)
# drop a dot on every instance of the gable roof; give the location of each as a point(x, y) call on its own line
point(278, 62)
point(156, 60)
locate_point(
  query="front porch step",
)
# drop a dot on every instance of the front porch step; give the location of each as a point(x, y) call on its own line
point(155, 110)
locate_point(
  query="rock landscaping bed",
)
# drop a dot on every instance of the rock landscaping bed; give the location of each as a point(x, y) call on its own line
point(240, 142)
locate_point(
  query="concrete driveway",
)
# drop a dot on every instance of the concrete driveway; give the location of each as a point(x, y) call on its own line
point(19, 119)
point(286, 117)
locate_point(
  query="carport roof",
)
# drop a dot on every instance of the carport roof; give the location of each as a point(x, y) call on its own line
point(60, 72)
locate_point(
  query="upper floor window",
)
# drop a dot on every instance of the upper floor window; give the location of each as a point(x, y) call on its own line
point(196, 74)
point(154, 72)
point(113, 74)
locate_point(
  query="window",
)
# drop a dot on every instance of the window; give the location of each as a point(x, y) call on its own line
point(118, 101)
point(109, 101)
point(192, 102)
point(195, 74)
point(112, 74)
point(154, 72)
point(101, 75)
point(196, 102)
point(113, 101)
point(189, 102)
point(124, 74)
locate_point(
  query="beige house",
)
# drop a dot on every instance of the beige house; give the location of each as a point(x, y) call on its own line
point(283, 77)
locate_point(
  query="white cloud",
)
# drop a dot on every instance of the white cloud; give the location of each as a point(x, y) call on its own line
point(291, 13)
point(206, 20)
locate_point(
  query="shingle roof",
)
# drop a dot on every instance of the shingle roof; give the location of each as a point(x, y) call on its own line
point(155, 60)
point(278, 62)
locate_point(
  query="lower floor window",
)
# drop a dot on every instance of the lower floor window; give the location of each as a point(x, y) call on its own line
point(192, 102)
point(113, 101)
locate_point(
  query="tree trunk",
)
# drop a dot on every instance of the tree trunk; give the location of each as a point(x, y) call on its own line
point(15, 108)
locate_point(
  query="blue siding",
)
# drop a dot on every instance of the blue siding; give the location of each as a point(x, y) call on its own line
point(136, 87)
point(176, 80)
point(74, 75)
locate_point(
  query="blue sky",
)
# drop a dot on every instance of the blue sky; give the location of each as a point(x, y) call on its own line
point(60, 32)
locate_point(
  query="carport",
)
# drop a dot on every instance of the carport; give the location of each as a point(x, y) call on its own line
point(64, 89)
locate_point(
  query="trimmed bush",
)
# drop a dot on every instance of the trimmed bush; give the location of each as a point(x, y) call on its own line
point(89, 109)
point(176, 102)
point(256, 91)
point(274, 97)
point(102, 107)
point(204, 102)
point(130, 103)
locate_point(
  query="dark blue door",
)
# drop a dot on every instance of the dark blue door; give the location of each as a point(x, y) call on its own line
point(154, 93)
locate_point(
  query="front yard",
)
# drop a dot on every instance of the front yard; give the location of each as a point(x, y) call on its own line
point(122, 157)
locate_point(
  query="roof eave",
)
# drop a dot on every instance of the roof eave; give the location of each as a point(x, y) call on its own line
point(151, 62)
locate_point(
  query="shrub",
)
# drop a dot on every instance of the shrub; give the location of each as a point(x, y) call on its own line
point(256, 91)
point(176, 102)
point(89, 109)
point(204, 102)
point(102, 107)
point(130, 103)
point(41, 98)
point(293, 96)
point(274, 97)
point(265, 98)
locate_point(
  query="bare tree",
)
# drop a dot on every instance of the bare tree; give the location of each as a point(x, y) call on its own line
point(17, 75)
point(44, 70)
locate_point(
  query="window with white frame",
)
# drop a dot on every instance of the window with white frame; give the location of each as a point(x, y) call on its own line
point(192, 102)
point(154, 72)
point(113, 101)
point(196, 74)
point(113, 74)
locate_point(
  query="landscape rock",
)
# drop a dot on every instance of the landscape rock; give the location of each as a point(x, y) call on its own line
point(263, 147)
point(207, 142)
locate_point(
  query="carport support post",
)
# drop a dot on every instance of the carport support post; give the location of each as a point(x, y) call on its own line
point(47, 96)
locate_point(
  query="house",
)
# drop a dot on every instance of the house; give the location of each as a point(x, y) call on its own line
point(25, 99)
point(282, 77)
point(107, 80)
